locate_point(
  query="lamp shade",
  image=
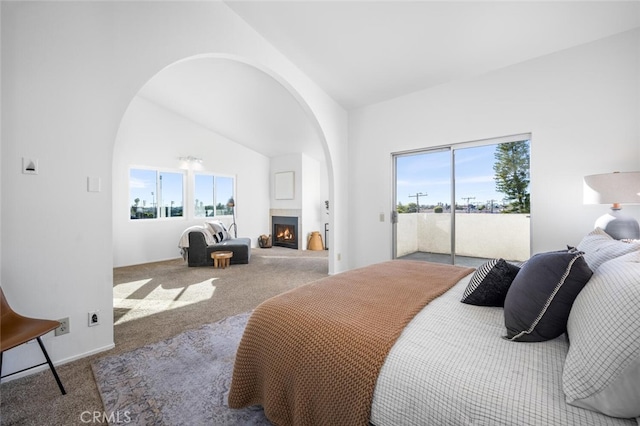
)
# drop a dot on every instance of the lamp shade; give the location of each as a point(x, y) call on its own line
point(612, 188)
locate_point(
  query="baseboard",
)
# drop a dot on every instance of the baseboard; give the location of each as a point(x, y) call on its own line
point(45, 367)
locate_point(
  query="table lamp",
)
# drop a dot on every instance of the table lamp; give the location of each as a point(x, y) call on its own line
point(615, 188)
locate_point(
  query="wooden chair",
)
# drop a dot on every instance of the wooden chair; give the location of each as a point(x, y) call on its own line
point(16, 330)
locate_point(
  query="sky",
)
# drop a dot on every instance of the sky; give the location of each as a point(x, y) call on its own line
point(430, 173)
point(204, 188)
point(427, 173)
point(142, 183)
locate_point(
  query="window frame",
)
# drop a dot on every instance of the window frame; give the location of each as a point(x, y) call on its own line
point(215, 176)
point(452, 148)
point(157, 200)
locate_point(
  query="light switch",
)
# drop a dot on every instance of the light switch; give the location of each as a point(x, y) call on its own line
point(381, 217)
point(93, 184)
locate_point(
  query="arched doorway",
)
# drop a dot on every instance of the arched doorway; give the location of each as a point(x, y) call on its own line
point(241, 120)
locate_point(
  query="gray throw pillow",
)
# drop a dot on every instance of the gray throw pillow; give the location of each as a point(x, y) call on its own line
point(490, 282)
point(602, 368)
point(539, 300)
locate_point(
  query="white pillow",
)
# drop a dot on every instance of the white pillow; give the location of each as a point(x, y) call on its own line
point(218, 230)
point(602, 368)
point(208, 236)
point(598, 247)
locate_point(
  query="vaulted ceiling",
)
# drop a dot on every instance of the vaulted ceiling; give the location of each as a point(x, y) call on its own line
point(364, 52)
point(237, 101)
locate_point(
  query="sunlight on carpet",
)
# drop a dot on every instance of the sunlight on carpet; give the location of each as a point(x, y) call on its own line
point(137, 299)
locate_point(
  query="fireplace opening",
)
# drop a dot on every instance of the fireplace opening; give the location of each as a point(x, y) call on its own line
point(285, 231)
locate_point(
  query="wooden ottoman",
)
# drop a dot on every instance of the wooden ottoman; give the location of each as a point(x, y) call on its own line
point(221, 259)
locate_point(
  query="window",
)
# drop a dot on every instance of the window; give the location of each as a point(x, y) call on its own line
point(212, 193)
point(170, 189)
point(223, 192)
point(155, 194)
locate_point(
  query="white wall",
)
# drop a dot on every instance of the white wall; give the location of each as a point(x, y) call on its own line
point(152, 136)
point(477, 235)
point(1, 145)
point(69, 72)
point(312, 199)
point(581, 105)
point(286, 163)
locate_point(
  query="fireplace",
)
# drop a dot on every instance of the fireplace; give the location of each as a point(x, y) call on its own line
point(285, 231)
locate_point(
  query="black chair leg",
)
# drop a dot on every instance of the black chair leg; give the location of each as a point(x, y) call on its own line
point(53, 369)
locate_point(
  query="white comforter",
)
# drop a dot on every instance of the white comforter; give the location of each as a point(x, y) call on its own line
point(451, 366)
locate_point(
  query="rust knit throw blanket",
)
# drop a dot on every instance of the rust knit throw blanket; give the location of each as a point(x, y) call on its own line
point(311, 356)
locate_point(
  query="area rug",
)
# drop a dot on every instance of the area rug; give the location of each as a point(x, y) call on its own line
point(182, 380)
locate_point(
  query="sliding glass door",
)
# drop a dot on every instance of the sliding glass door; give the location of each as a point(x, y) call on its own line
point(464, 203)
point(423, 214)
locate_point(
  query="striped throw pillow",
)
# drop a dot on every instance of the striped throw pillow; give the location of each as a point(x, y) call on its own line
point(490, 282)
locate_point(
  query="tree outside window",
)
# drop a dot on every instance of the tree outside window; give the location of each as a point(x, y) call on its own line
point(512, 175)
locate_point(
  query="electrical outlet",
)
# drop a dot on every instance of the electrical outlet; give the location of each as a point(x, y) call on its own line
point(63, 328)
point(94, 318)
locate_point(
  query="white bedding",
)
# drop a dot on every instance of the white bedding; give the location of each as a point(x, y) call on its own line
point(451, 366)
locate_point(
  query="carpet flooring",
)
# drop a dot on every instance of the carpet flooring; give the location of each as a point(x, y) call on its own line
point(152, 303)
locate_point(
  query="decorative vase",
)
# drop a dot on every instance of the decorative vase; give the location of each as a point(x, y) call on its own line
point(314, 242)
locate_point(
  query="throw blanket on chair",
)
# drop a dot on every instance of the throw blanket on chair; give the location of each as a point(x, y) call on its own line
point(183, 243)
point(312, 355)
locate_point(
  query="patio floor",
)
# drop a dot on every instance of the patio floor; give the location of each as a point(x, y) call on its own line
point(472, 262)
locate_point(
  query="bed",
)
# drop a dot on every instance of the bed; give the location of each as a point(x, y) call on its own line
point(315, 356)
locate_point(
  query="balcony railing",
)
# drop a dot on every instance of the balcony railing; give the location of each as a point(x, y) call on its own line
point(479, 235)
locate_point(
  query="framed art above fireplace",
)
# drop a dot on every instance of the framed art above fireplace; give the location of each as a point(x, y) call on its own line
point(284, 186)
